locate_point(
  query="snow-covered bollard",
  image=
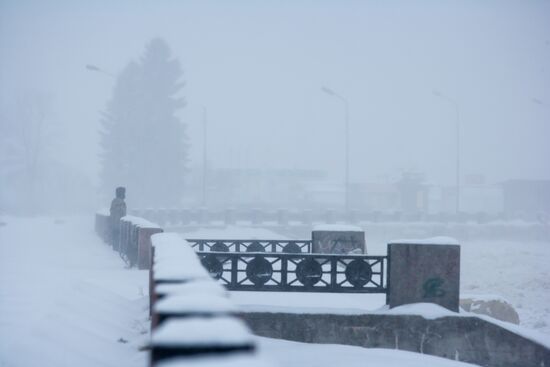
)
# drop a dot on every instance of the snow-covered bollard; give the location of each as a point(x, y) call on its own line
point(199, 286)
point(174, 261)
point(102, 225)
point(338, 239)
point(229, 217)
point(282, 217)
point(235, 360)
point(200, 336)
point(138, 237)
point(307, 217)
point(191, 305)
point(424, 271)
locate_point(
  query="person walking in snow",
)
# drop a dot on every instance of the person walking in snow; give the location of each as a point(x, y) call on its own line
point(117, 211)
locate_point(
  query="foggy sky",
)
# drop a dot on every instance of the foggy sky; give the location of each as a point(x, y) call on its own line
point(258, 69)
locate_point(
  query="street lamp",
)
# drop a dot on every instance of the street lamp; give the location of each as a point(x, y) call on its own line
point(97, 69)
point(452, 101)
point(332, 93)
point(204, 156)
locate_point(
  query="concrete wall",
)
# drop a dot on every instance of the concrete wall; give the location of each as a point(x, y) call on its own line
point(468, 339)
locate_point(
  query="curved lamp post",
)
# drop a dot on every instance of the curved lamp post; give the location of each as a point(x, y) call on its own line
point(330, 92)
point(457, 123)
point(97, 69)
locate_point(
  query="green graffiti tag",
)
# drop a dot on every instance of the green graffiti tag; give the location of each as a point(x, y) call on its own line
point(432, 288)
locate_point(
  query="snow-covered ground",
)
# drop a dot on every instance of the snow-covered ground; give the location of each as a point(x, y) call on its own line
point(67, 300)
point(292, 354)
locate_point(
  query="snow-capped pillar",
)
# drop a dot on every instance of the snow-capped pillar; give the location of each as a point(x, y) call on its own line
point(307, 217)
point(255, 216)
point(424, 271)
point(144, 246)
point(229, 217)
point(282, 217)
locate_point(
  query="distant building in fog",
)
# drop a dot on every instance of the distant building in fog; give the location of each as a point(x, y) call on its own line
point(258, 188)
point(301, 189)
point(526, 198)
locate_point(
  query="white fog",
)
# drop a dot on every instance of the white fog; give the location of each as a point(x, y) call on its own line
point(266, 120)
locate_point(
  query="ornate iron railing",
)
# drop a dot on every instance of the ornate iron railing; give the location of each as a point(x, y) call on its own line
point(285, 272)
point(290, 246)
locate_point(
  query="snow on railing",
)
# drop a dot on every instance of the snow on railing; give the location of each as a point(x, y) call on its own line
point(190, 312)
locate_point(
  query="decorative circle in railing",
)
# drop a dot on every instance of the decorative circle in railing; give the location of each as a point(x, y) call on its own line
point(358, 273)
point(219, 247)
point(309, 272)
point(255, 247)
point(213, 265)
point(292, 248)
point(259, 271)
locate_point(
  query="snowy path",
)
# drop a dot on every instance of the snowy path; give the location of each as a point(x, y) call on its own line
point(65, 297)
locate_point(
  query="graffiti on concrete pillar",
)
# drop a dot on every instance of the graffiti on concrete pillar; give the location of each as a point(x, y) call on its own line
point(343, 245)
point(433, 288)
point(338, 242)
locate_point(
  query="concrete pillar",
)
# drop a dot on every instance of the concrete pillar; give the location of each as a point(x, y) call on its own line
point(424, 271)
point(144, 246)
point(184, 216)
point(329, 216)
point(352, 216)
point(307, 217)
point(203, 217)
point(255, 215)
point(229, 217)
point(282, 217)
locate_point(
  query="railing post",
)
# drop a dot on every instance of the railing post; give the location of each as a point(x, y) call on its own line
point(284, 270)
point(282, 217)
point(229, 217)
point(234, 271)
point(333, 273)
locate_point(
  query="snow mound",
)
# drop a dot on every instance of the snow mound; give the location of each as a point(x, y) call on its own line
point(337, 228)
point(197, 303)
point(195, 332)
point(439, 240)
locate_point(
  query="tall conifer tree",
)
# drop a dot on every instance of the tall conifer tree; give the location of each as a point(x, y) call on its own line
point(144, 146)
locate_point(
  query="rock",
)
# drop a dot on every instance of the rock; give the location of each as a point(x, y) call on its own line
point(492, 306)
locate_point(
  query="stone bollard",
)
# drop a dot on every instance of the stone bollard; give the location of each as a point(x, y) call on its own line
point(171, 217)
point(330, 216)
point(184, 217)
point(282, 217)
point(255, 217)
point(203, 216)
point(352, 216)
point(424, 271)
point(338, 239)
point(307, 217)
point(229, 217)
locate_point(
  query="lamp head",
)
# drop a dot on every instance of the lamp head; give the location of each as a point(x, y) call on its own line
point(328, 91)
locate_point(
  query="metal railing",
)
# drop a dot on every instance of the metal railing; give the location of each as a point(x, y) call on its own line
point(285, 272)
point(290, 246)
